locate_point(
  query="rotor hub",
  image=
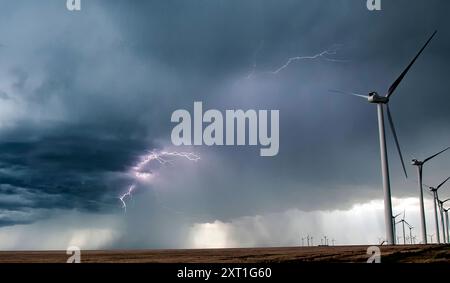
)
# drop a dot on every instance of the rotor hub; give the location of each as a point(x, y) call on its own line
point(374, 97)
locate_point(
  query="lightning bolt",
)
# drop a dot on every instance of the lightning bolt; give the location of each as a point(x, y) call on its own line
point(324, 55)
point(142, 173)
point(129, 193)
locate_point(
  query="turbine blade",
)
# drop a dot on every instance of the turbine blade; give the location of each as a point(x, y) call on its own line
point(441, 184)
point(433, 156)
point(391, 122)
point(349, 93)
point(402, 75)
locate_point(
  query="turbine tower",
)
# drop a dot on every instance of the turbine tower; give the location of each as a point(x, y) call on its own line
point(442, 211)
point(434, 190)
point(446, 219)
point(419, 165)
point(382, 103)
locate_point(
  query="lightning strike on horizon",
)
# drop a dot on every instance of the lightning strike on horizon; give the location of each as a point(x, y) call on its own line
point(141, 173)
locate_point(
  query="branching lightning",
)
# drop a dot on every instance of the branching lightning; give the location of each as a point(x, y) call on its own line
point(324, 55)
point(127, 194)
point(142, 172)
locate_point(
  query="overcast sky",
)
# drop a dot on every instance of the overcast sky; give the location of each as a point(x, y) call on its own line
point(84, 95)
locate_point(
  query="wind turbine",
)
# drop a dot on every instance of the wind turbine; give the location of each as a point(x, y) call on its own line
point(441, 209)
point(382, 101)
point(403, 221)
point(410, 232)
point(419, 165)
point(395, 228)
point(446, 220)
point(435, 201)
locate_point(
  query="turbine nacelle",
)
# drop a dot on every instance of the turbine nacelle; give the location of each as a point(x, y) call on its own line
point(416, 162)
point(374, 97)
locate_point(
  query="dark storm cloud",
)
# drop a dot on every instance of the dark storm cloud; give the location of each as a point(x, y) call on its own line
point(91, 91)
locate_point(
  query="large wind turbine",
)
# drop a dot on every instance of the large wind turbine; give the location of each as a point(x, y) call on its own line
point(382, 101)
point(434, 190)
point(419, 165)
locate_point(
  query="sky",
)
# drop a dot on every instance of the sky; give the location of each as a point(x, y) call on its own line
point(86, 95)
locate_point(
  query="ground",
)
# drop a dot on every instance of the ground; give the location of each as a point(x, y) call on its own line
point(398, 254)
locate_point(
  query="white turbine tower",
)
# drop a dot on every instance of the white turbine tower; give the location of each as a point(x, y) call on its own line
point(382, 102)
point(434, 190)
point(442, 211)
point(446, 219)
point(419, 165)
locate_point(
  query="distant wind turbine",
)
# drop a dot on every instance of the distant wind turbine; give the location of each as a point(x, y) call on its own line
point(443, 221)
point(419, 165)
point(434, 190)
point(410, 232)
point(393, 221)
point(382, 102)
point(446, 220)
point(403, 221)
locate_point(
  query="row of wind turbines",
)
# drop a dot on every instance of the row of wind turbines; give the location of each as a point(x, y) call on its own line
point(308, 241)
point(382, 103)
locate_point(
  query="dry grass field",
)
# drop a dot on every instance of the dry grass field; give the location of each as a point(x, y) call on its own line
point(389, 254)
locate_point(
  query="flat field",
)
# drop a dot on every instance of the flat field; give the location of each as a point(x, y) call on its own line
point(389, 254)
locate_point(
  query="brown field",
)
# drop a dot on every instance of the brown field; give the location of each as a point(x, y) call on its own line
point(397, 254)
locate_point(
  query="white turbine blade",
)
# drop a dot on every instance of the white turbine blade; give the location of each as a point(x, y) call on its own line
point(350, 93)
point(403, 74)
point(441, 184)
point(391, 123)
point(433, 156)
